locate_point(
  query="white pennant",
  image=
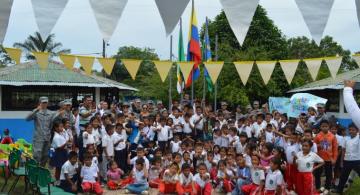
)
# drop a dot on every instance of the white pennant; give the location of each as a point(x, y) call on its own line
point(316, 14)
point(356, 57)
point(266, 69)
point(333, 65)
point(244, 69)
point(289, 68)
point(313, 66)
point(171, 11)
point(357, 2)
point(47, 13)
point(5, 10)
point(107, 14)
point(239, 13)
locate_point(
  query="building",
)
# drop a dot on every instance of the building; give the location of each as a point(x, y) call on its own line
point(332, 89)
point(22, 85)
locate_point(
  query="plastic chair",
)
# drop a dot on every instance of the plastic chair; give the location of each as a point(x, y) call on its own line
point(32, 177)
point(14, 161)
point(44, 182)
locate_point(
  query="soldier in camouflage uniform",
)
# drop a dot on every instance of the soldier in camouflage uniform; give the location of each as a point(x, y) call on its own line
point(43, 119)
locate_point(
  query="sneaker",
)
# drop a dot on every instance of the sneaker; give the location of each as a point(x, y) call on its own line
point(145, 192)
point(127, 191)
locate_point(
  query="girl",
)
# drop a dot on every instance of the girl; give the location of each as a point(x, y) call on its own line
point(266, 154)
point(257, 177)
point(154, 173)
point(185, 184)
point(87, 139)
point(90, 149)
point(170, 123)
point(97, 133)
point(89, 176)
point(114, 176)
point(224, 176)
point(140, 175)
point(186, 159)
point(243, 175)
point(175, 144)
point(216, 150)
point(305, 161)
point(223, 152)
point(202, 181)
point(58, 143)
point(170, 180)
point(274, 178)
point(68, 134)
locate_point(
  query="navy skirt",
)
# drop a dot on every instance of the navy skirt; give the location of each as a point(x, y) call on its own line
point(59, 158)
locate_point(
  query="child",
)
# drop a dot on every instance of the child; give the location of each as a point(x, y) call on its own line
point(68, 134)
point(6, 139)
point(257, 177)
point(241, 143)
point(154, 173)
point(202, 181)
point(266, 154)
point(140, 175)
point(308, 135)
point(274, 178)
point(328, 151)
point(163, 134)
point(90, 176)
point(187, 126)
point(87, 139)
point(140, 153)
point(185, 184)
point(119, 138)
point(224, 177)
point(269, 134)
point(175, 144)
point(216, 150)
point(170, 180)
point(69, 174)
point(58, 143)
point(305, 161)
point(243, 175)
point(114, 176)
point(108, 148)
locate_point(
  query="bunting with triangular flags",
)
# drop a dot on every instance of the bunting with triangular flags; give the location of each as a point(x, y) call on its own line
point(266, 69)
point(132, 66)
point(42, 59)
point(214, 69)
point(313, 66)
point(5, 11)
point(107, 14)
point(14, 54)
point(107, 64)
point(244, 69)
point(68, 60)
point(163, 67)
point(356, 57)
point(47, 13)
point(357, 3)
point(87, 63)
point(186, 68)
point(289, 68)
point(333, 65)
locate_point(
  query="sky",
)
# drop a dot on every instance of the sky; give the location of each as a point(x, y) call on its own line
point(141, 25)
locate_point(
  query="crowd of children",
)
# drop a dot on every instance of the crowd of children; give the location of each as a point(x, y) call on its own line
point(192, 149)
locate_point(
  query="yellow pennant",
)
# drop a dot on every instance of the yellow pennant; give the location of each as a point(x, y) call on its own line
point(68, 60)
point(313, 66)
point(163, 67)
point(132, 66)
point(86, 63)
point(186, 68)
point(42, 59)
point(289, 68)
point(244, 69)
point(14, 54)
point(107, 64)
point(266, 69)
point(214, 69)
point(333, 65)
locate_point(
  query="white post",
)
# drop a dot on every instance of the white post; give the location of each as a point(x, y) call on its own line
point(97, 95)
point(341, 104)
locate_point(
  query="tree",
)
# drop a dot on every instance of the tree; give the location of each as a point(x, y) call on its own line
point(37, 43)
point(4, 58)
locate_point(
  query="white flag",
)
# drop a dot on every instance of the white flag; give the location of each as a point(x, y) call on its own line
point(107, 14)
point(289, 68)
point(47, 13)
point(239, 13)
point(316, 15)
point(333, 65)
point(356, 57)
point(5, 10)
point(313, 66)
point(357, 2)
point(171, 11)
point(266, 69)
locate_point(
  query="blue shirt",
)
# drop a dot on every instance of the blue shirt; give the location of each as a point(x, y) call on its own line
point(244, 172)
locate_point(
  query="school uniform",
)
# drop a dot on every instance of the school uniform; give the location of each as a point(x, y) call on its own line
point(175, 146)
point(60, 155)
point(147, 163)
point(170, 186)
point(140, 182)
point(246, 174)
point(351, 160)
point(154, 177)
point(239, 147)
point(202, 186)
point(71, 171)
point(217, 140)
point(97, 133)
point(89, 183)
point(224, 141)
point(187, 130)
point(185, 184)
point(163, 137)
point(199, 127)
point(178, 122)
point(305, 178)
point(273, 180)
point(269, 137)
point(246, 129)
point(120, 150)
point(257, 175)
point(257, 128)
point(108, 145)
point(291, 171)
point(223, 182)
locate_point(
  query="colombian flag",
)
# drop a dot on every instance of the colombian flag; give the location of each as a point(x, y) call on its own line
point(194, 50)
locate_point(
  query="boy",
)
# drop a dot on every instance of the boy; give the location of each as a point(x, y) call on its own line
point(140, 175)
point(163, 134)
point(108, 148)
point(170, 179)
point(90, 175)
point(328, 151)
point(69, 174)
point(140, 153)
point(186, 184)
point(202, 181)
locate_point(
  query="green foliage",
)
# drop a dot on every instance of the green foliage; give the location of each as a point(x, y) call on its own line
point(4, 58)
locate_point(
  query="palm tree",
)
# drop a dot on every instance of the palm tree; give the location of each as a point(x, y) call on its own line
point(36, 43)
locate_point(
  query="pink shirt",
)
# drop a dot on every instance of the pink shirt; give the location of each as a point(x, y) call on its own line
point(114, 175)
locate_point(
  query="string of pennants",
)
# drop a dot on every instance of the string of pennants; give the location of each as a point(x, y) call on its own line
point(243, 68)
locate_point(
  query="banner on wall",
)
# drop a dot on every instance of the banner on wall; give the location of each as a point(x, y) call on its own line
point(281, 104)
point(47, 13)
point(300, 102)
point(239, 14)
point(5, 11)
point(244, 69)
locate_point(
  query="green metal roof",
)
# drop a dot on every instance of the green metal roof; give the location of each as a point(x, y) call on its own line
point(330, 83)
point(55, 75)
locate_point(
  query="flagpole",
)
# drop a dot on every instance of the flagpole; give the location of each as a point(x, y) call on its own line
point(182, 90)
point(170, 73)
point(192, 72)
point(216, 59)
point(204, 80)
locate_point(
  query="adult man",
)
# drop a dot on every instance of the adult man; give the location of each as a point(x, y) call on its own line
point(86, 111)
point(224, 110)
point(104, 107)
point(256, 109)
point(43, 119)
point(321, 114)
point(350, 104)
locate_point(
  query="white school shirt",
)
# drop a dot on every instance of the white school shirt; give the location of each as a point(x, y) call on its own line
point(246, 129)
point(185, 180)
point(240, 149)
point(273, 180)
point(108, 143)
point(352, 148)
point(306, 163)
point(178, 121)
point(274, 123)
point(269, 136)
point(170, 178)
point(89, 174)
point(340, 140)
point(194, 119)
point(175, 146)
point(117, 137)
point(147, 163)
point(234, 138)
point(197, 179)
point(299, 129)
point(97, 136)
point(217, 140)
point(58, 140)
point(289, 150)
point(68, 169)
point(187, 127)
point(222, 174)
point(224, 141)
point(257, 175)
point(139, 177)
point(258, 128)
point(68, 134)
point(163, 134)
point(90, 139)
